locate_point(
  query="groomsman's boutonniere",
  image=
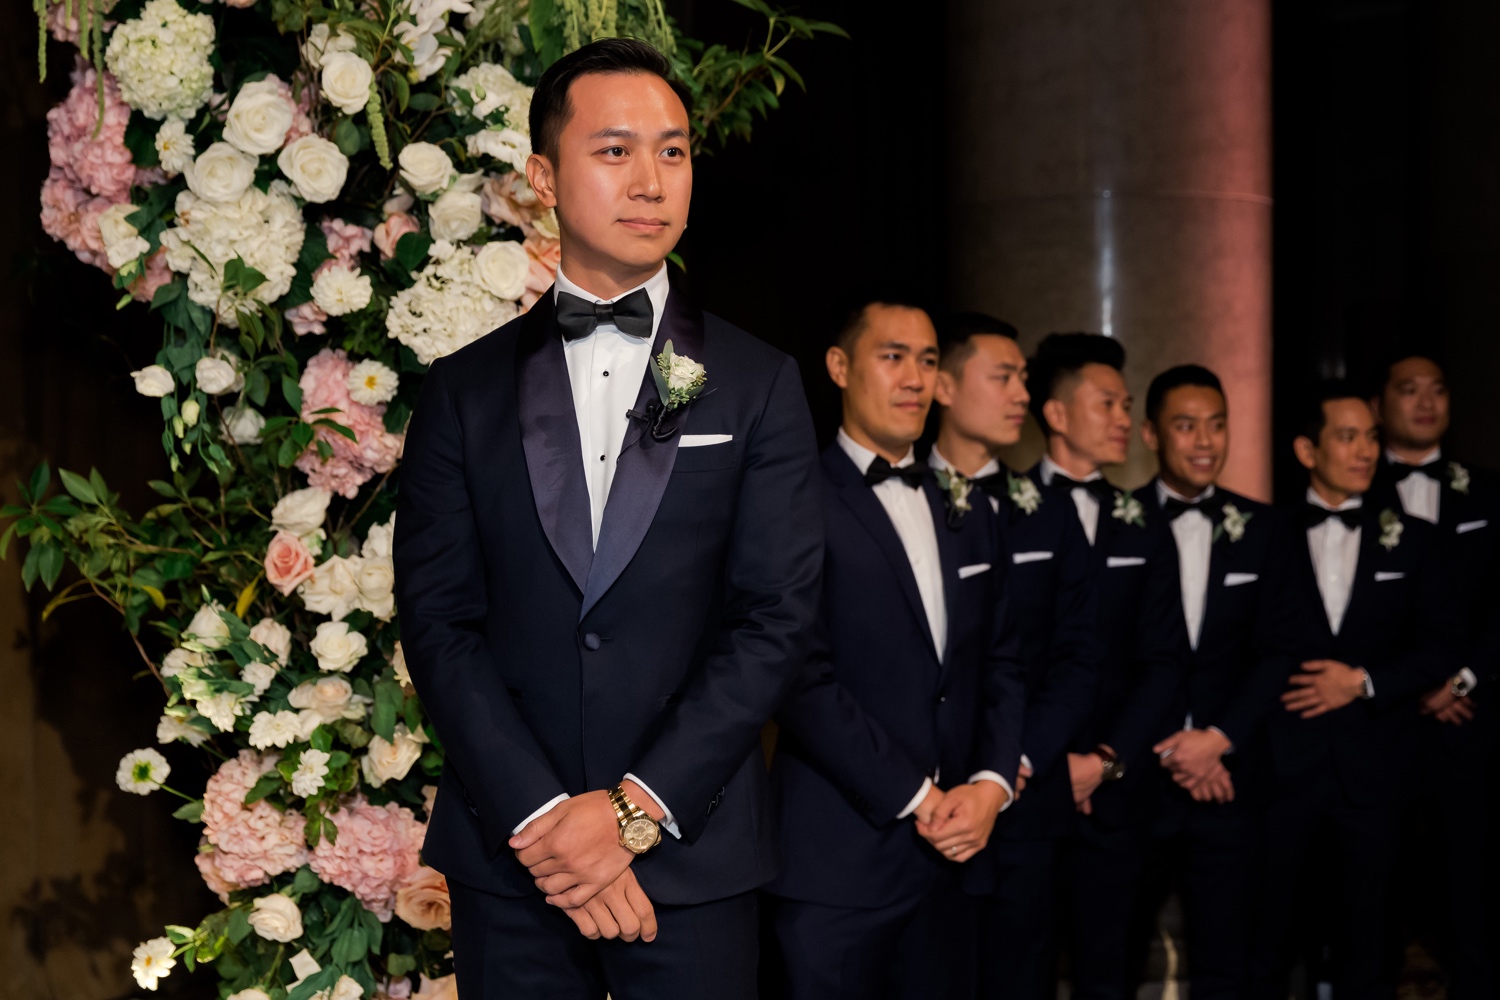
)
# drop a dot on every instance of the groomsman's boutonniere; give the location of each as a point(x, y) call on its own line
point(1458, 478)
point(1129, 509)
point(679, 381)
point(1390, 529)
point(1023, 493)
point(956, 490)
point(1233, 524)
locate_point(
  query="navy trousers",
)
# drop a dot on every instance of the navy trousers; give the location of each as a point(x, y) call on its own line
point(1017, 926)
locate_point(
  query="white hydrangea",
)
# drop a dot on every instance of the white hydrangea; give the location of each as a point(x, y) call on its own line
point(447, 307)
point(339, 291)
point(492, 86)
point(264, 228)
point(372, 383)
point(174, 146)
point(161, 60)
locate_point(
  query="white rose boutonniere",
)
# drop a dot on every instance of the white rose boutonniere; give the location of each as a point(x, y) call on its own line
point(1129, 509)
point(1023, 493)
point(679, 378)
point(1233, 524)
point(1390, 529)
point(956, 490)
point(1458, 478)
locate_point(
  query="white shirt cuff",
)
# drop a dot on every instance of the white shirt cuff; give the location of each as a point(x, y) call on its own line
point(667, 823)
point(1010, 793)
point(916, 800)
point(540, 812)
point(1026, 763)
point(1469, 677)
point(1216, 729)
point(1369, 683)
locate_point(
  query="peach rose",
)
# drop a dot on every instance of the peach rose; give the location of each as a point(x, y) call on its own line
point(288, 562)
point(422, 901)
point(389, 232)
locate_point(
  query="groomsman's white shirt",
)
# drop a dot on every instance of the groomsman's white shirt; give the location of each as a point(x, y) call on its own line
point(1195, 538)
point(911, 516)
point(605, 370)
point(1334, 548)
point(1421, 492)
point(1086, 502)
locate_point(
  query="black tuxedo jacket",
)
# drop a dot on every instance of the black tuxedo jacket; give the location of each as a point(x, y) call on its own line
point(879, 710)
point(1400, 626)
point(1145, 657)
point(550, 666)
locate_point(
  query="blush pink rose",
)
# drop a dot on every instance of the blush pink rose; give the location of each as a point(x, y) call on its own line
point(288, 562)
point(423, 902)
point(307, 319)
point(545, 255)
point(346, 241)
point(389, 232)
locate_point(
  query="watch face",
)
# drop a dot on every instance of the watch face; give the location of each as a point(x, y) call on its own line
point(640, 835)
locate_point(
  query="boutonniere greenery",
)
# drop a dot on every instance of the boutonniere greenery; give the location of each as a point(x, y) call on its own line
point(956, 490)
point(679, 381)
point(1233, 523)
point(1129, 509)
point(1390, 529)
point(1023, 493)
point(1458, 478)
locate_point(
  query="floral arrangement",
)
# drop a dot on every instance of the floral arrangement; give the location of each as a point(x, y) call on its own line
point(318, 198)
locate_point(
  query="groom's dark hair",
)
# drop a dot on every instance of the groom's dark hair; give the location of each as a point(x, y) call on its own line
point(550, 106)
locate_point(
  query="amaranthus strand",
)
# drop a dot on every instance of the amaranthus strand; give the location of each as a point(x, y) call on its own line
point(376, 119)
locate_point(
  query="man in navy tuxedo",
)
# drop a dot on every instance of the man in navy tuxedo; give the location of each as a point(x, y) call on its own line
point(901, 745)
point(1203, 831)
point(590, 609)
point(981, 386)
point(1363, 624)
point(1078, 395)
point(1457, 738)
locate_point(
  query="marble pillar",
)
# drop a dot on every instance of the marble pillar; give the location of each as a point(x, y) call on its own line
point(1109, 170)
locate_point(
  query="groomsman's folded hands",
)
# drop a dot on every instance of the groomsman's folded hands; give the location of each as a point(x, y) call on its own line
point(960, 825)
point(1194, 759)
point(1324, 686)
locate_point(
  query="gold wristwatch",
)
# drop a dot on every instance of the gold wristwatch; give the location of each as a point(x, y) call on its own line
point(638, 831)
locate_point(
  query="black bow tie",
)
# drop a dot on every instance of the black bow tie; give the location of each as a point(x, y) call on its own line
point(880, 470)
point(1100, 488)
point(1175, 508)
point(1400, 470)
point(578, 317)
point(996, 484)
point(1314, 515)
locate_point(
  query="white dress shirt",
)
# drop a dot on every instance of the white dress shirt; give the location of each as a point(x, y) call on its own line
point(1086, 502)
point(911, 516)
point(1422, 492)
point(1195, 538)
point(1334, 548)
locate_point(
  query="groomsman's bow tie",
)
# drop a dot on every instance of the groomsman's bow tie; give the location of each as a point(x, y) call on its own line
point(1100, 488)
point(578, 317)
point(1313, 515)
point(880, 470)
point(1175, 508)
point(996, 484)
point(1400, 470)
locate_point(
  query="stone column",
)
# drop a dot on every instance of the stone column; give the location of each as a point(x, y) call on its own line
point(1109, 171)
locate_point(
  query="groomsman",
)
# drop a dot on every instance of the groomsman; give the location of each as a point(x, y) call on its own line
point(901, 745)
point(1078, 395)
point(1458, 733)
point(1361, 624)
point(1204, 831)
point(981, 386)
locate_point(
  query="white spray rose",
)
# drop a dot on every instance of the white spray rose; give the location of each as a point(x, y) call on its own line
point(220, 173)
point(174, 147)
point(339, 291)
point(170, 729)
point(377, 581)
point(180, 660)
point(338, 650)
point(276, 918)
point(259, 117)
point(122, 241)
point(346, 81)
point(274, 636)
point(390, 761)
point(216, 376)
point(502, 268)
point(316, 168)
point(425, 168)
point(684, 373)
point(458, 212)
point(243, 425)
point(321, 43)
point(301, 512)
point(153, 380)
point(372, 383)
point(333, 589)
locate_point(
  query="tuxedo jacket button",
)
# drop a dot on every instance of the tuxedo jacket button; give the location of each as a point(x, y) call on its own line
point(591, 642)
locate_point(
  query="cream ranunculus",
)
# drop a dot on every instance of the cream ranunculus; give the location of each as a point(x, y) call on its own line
point(339, 291)
point(208, 628)
point(346, 81)
point(338, 650)
point(425, 168)
point(274, 636)
point(259, 117)
point(276, 918)
point(215, 376)
point(243, 425)
point(153, 380)
point(220, 173)
point(377, 581)
point(502, 268)
point(316, 168)
point(122, 241)
point(458, 212)
point(301, 512)
point(390, 761)
point(333, 589)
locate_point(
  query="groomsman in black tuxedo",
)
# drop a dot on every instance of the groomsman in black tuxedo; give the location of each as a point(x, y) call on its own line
point(1203, 836)
point(608, 579)
point(902, 743)
point(1078, 395)
point(1362, 623)
point(981, 386)
point(1458, 733)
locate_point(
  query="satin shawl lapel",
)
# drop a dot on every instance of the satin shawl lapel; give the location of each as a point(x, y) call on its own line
point(549, 435)
point(645, 464)
point(948, 540)
point(1218, 557)
point(1364, 575)
point(867, 509)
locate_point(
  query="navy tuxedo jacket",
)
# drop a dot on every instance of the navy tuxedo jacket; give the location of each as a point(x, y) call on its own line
point(1145, 657)
point(1400, 626)
point(878, 711)
point(549, 666)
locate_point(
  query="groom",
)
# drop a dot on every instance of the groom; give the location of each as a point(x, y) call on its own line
point(606, 586)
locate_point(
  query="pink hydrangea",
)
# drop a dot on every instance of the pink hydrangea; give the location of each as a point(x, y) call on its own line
point(346, 241)
point(98, 163)
point(71, 215)
point(252, 843)
point(353, 463)
point(377, 848)
point(307, 318)
point(63, 19)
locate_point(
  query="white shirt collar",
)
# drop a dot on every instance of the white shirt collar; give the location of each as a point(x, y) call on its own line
point(1353, 503)
point(1051, 468)
point(1432, 456)
point(1163, 491)
point(862, 456)
point(937, 461)
point(657, 286)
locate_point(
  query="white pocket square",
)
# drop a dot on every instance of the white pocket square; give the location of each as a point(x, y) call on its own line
point(1468, 526)
point(1385, 577)
point(701, 440)
point(1235, 579)
point(1029, 557)
point(964, 572)
point(1116, 562)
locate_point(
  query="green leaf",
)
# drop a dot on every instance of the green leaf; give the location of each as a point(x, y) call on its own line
point(423, 101)
point(291, 392)
point(305, 881)
point(241, 277)
point(401, 88)
point(338, 428)
point(29, 567)
point(268, 783)
point(411, 249)
point(321, 739)
point(318, 981)
point(140, 139)
point(239, 924)
point(77, 486)
point(50, 563)
point(41, 478)
point(346, 136)
point(399, 965)
point(350, 946)
point(388, 699)
point(190, 811)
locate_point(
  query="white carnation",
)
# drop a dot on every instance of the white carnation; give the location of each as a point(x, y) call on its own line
point(316, 168)
point(276, 918)
point(301, 512)
point(142, 771)
point(152, 960)
point(122, 241)
point(221, 173)
point(333, 589)
point(221, 709)
point(243, 425)
point(346, 81)
point(377, 582)
point(338, 650)
point(274, 636)
point(458, 212)
point(507, 145)
point(260, 117)
point(276, 729)
point(425, 168)
point(501, 268)
point(391, 760)
point(174, 146)
point(340, 290)
point(153, 380)
point(447, 306)
point(312, 768)
point(170, 729)
point(161, 60)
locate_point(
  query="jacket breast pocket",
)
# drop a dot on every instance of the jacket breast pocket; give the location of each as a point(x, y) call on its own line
point(710, 458)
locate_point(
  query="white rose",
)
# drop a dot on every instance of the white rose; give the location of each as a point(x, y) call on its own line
point(425, 168)
point(316, 168)
point(377, 580)
point(506, 145)
point(329, 698)
point(339, 291)
point(346, 81)
point(122, 241)
point(174, 147)
point(378, 541)
point(683, 373)
point(243, 425)
point(456, 215)
point(333, 589)
point(337, 648)
point(502, 268)
point(216, 376)
point(320, 44)
point(276, 729)
point(208, 628)
point(258, 676)
point(347, 988)
point(191, 411)
point(153, 380)
point(301, 512)
point(220, 173)
point(398, 666)
point(274, 636)
point(390, 761)
point(259, 117)
point(276, 918)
